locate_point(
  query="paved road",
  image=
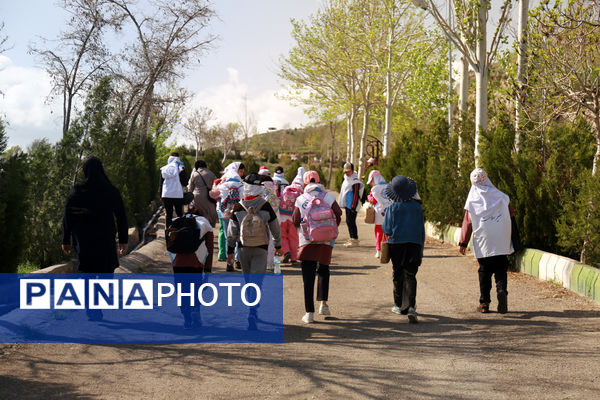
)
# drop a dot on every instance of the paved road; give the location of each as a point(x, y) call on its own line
point(547, 346)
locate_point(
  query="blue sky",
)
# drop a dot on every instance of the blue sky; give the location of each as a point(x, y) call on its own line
point(253, 35)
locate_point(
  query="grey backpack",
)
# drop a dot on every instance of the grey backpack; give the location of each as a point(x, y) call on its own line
point(253, 231)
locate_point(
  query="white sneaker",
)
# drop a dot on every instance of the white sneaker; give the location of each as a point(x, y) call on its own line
point(308, 318)
point(378, 254)
point(351, 243)
point(324, 310)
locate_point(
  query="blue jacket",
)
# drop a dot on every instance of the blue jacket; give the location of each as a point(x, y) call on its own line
point(404, 223)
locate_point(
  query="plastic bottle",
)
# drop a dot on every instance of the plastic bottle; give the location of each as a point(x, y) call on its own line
point(276, 264)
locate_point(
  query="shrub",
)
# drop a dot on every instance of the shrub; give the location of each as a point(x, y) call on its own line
point(13, 205)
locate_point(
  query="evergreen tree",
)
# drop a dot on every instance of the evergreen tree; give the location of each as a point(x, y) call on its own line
point(13, 189)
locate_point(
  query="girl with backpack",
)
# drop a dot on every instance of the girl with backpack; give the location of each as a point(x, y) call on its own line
point(270, 195)
point(188, 260)
point(280, 180)
point(231, 191)
point(289, 233)
point(252, 224)
point(404, 225)
point(380, 202)
point(318, 215)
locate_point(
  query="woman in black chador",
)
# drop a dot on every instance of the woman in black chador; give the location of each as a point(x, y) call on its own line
point(89, 218)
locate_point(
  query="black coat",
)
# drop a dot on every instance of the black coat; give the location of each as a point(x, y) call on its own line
point(89, 218)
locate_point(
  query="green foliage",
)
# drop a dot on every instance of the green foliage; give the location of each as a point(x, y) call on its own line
point(339, 179)
point(579, 224)
point(50, 175)
point(250, 164)
point(52, 170)
point(13, 190)
point(26, 268)
point(213, 158)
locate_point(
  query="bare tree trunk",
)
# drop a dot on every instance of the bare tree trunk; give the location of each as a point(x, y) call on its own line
point(363, 142)
point(522, 64)
point(462, 103)
point(481, 79)
point(597, 123)
point(387, 134)
point(350, 136)
point(146, 119)
point(332, 128)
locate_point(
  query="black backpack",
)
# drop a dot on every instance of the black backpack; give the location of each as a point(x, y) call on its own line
point(183, 236)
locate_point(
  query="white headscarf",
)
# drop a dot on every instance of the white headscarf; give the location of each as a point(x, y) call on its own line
point(299, 179)
point(231, 171)
point(375, 178)
point(484, 198)
point(173, 159)
point(254, 190)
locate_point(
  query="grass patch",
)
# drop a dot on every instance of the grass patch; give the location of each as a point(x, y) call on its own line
point(26, 268)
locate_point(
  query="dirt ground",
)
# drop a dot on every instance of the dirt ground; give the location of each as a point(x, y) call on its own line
point(547, 346)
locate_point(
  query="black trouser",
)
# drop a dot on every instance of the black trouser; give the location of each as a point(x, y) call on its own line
point(309, 270)
point(406, 258)
point(351, 222)
point(169, 204)
point(186, 308)
point(496, 265)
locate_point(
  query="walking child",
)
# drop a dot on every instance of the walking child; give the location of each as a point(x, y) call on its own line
point(404, 225)
point(318, 215)
point(350, 194)
point(380, 202)
point(488, 218)
point(231, 191)
point(252, 223)
point(172, 181)
point(280, 180)
point(190, 239)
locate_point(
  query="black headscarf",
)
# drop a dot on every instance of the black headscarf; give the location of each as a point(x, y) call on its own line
point(94, 175)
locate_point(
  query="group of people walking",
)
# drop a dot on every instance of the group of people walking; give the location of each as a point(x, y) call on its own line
point(263, 217)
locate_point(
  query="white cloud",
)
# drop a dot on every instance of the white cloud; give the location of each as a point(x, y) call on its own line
point(23, 103)
point(227, 102)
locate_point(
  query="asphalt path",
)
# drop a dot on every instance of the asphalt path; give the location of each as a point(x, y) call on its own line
point(546, 347)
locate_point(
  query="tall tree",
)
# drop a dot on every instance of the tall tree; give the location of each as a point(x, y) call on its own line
point(247, 124)
point(78, 56)
point(321, 66)
point(521, 67)
point(565, 54)
point(469, 36)
point(169, 35)
point(196, 127)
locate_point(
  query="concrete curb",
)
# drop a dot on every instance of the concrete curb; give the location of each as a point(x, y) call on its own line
point(569, 273)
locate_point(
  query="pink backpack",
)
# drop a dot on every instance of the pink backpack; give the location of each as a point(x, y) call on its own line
point(319, 225)
point(288, 199)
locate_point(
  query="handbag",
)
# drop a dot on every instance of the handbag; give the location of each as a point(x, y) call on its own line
point(188, 197)
point(208, 189)
point(384, 257)
point(370, 216)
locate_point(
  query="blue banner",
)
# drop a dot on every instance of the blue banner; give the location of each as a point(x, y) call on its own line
point(141, 308)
